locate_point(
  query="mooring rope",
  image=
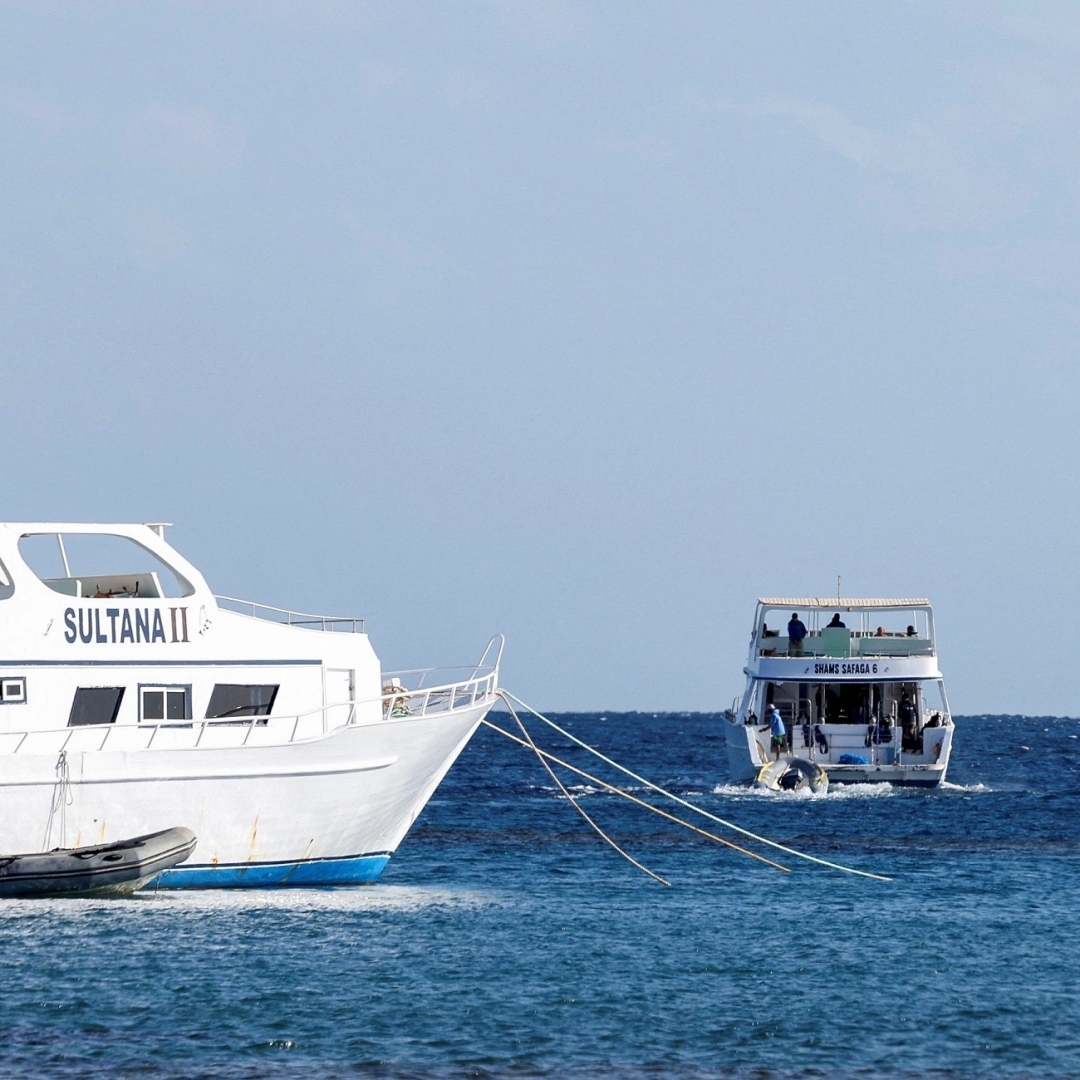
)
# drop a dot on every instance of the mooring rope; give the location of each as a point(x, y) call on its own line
point(632, 798)
point(505, 694)
point(61, 800)
point(573, 802)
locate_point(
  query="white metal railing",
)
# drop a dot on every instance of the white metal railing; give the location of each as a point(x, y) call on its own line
point(858, 644)
point(489, 662)
point(256, 730)
point(405, 692)
point(396, 702)
point(399, 701)
point(269, 613)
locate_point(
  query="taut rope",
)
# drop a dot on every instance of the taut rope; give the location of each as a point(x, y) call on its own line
point(61, 800)
point(632, 798)
point(573, 802)
point(506, 696)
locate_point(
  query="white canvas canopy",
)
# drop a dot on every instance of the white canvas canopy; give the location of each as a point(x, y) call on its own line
point(845, 603)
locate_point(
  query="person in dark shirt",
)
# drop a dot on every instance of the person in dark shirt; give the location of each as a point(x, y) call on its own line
point(796, 632)
point(909, 721)
point(836, 622)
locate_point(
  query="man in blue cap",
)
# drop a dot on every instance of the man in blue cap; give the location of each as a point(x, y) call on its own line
point(779, 732)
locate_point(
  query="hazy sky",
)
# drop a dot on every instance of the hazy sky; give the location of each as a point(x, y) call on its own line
point(584, 322)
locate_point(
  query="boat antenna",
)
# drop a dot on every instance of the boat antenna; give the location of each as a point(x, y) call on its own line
point(838, 588)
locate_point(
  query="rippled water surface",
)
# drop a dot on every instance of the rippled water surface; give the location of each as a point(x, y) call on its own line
point(505, 939)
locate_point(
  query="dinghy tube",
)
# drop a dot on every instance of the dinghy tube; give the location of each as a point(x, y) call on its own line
point(792, 774)
point(117, 868)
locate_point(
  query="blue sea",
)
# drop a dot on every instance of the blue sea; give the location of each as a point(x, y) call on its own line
point(506, 940)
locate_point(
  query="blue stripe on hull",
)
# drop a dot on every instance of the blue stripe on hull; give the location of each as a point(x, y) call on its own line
point(352, 870)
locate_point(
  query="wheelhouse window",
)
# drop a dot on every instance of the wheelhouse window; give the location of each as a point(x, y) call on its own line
point(99, 566)
point(95, 705)
point(13, 691)
point(164, 703)
point(7, 589)
point(233, 700)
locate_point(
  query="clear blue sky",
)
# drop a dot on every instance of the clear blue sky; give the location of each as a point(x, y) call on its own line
point(584, 322)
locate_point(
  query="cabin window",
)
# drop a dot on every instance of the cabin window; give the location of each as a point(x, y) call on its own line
point(164, 703)
point(100, 566)
point(95, 705)
point(13, 691)
point(233, 700)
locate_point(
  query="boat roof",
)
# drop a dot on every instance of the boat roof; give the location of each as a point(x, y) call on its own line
point(834, 602)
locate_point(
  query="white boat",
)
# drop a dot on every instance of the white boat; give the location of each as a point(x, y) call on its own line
point(861, 694)
point(132, 699)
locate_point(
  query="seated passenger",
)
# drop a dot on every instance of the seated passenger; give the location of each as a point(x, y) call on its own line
point(880, 632)
point(766, 632)
point(837, 623)
point(911, 632)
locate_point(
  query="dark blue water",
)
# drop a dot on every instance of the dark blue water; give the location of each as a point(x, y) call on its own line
point(506, 940)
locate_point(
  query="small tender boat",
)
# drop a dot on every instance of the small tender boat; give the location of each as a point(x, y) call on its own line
point(793, 774)
point(860, 694)
point(102, 869)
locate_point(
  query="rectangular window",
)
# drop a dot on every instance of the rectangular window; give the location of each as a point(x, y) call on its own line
point(95, 705)
point(13, 691)
point(164, 704)
point(232, 700)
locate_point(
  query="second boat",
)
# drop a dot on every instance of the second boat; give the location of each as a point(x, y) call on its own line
point(851, 685)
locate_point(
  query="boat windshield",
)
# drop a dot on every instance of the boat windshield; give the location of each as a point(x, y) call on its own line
point(100, 566)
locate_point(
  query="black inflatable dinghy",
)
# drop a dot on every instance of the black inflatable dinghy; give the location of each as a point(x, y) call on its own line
point(793, 774)
point(121, 867)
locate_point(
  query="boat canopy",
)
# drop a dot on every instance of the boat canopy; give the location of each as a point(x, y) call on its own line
point(848, 603)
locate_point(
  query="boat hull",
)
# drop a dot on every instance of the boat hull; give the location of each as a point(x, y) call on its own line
point(317, 812)
point(305, 873)
point(747, 753)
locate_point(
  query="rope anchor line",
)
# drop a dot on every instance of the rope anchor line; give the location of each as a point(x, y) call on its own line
point(544, 756)
point(527, 741)
point(626, 795)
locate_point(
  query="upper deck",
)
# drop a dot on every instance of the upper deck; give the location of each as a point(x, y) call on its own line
point(107, 623)
point(846, 638)
point(74, 590)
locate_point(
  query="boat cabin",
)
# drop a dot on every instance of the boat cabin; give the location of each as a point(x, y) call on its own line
point(108, 625)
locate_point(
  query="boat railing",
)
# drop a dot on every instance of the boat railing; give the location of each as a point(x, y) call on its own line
point(396, 704)
point(880, 742)
point(305, 620)
point(856, 645)
point(415, 678)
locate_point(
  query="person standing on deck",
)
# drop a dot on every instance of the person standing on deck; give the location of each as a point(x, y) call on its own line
point(909, 722)
point(779, 732)
point(796, 632)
